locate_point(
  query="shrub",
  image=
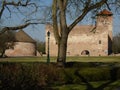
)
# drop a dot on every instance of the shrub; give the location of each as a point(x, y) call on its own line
point(95, 74)
point(80, 64)
point(117, 73)
point(15, 76)
point(28, 75)
point(47, 75)
point(70, 77)
point(77, 75)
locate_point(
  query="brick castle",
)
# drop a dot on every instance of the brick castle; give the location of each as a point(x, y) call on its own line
point(92, 40)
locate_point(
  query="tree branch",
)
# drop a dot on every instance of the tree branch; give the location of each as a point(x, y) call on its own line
point(63, 24)
point(54, 18)
point(2, 9)
point(15, 28)
point(19, 3)
point(87, 8)
point(99, 4)
point(107, 5)
point(6, 3)
point(65, 3)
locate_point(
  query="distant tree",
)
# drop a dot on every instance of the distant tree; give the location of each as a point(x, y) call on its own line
point(41, 46)
point(6, 41)
point(116, 44)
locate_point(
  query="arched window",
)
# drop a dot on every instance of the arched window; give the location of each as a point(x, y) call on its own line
point(85, 52)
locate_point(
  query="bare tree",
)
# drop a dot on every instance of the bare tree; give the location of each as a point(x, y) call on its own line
point(7, 41)
point(19, 14)
point(79, 9)
point(116, 44)
point(41, 46)
point(29, 12)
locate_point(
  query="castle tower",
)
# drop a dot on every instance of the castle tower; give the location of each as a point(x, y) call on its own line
point(105, 19)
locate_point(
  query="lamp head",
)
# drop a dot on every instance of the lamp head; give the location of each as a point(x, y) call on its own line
point(48, 34)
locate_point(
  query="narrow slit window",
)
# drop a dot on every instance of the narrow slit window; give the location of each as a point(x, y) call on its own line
point(99, 41)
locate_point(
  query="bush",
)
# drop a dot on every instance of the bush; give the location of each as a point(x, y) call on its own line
point(80, 64)
point(41, 46)
point(117, 73)
point(26, 76)
point(77, 75)
point(70, 77)
point(95, 74)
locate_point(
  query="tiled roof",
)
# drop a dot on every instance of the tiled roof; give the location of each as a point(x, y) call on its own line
point(105, 12)
point(21, 36)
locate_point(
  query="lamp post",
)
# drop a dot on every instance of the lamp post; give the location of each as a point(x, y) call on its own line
point(48, 53)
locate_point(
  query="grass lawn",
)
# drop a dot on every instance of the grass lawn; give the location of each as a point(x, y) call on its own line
point(101, 85)
point(69, 59)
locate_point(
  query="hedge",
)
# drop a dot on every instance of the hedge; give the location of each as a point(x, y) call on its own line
point(25, 76)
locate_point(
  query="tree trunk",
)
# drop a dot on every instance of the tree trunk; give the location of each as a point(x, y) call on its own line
point(2, 53)
point(59, 16)
point(62, 49)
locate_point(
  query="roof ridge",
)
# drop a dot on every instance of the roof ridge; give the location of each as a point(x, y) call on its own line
point(22, 36)
point(105, 12)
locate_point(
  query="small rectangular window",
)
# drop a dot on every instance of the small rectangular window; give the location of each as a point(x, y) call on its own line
point(99, 41)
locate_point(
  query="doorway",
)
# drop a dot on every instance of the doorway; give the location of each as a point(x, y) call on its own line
point(85, 52)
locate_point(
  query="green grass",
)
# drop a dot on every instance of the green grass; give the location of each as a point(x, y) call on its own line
point(69, 59)
point(24, 59)
point(95, 59)
point(101, 85)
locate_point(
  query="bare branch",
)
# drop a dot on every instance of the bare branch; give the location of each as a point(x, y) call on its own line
point(18, 4)
point(99, 4)
point(2, 9)
point(54, 17)
point(107, 5)
point(87, 8)
point(8, 10)
point(16, 28)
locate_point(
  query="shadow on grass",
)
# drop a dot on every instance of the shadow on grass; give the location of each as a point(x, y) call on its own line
point(89, 86)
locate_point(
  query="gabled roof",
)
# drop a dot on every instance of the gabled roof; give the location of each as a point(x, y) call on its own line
point(21, 36)
point(105, 12)
point(86, 29)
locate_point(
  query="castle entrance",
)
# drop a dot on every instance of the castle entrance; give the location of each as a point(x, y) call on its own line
point(85, 52)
